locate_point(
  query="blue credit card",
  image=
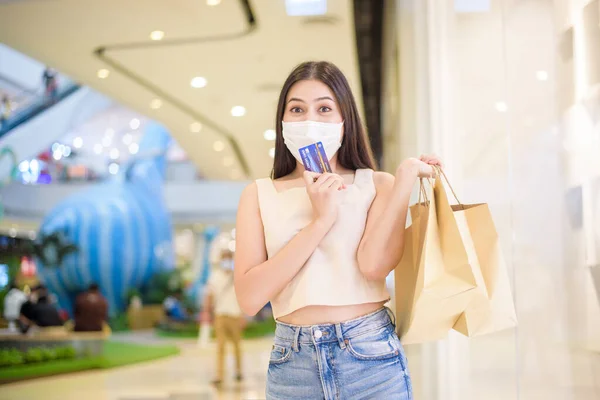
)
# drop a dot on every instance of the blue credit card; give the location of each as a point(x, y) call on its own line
point(314, 158)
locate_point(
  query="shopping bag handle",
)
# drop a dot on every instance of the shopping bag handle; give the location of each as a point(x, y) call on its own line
point(423, 192)
point(440, 173)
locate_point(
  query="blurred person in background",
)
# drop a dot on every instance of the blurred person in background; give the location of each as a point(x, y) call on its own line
point(39, 311)
point(13, 301)
point(5, 110)
point(319, 247)
point(91, 310)
point(228, 319)
point(50, 83)
point(174, 308)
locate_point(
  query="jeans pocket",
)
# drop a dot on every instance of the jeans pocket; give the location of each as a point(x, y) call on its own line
point(376, 345)
point(280, 354)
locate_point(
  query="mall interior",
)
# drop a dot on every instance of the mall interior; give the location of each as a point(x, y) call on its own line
point(130, 129)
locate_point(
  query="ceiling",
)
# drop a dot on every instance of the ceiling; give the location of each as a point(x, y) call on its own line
point(244, 64)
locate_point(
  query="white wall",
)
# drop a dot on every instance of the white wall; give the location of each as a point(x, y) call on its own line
point(21, 69)
point(453, 70)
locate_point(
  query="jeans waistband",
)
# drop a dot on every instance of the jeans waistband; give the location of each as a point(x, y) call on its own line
point(324, 333)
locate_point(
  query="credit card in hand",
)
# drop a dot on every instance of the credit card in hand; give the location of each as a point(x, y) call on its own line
point(314, 158)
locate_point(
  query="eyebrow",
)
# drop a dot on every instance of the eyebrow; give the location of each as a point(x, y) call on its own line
point(317, 99)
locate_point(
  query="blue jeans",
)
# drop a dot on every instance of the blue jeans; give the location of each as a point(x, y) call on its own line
point(357, 359)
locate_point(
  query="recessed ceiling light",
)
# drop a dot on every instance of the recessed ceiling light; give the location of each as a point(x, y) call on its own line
point(155, 104)
point(77, 142)
point(134, 123)
point(198, 82)
point(157, 35)
point(542, 75)
point(270, 134)
point(127, 139)
point(501, 106)
point(213, 2)
point(272, 152)
point(219, 146)
point(134, 148)
point(114, 153)
point(113, 168)
point(195, 127)
point(103, 73)
point(297, 8)
point(97, 148)
point(238, 111)
point(228, 161)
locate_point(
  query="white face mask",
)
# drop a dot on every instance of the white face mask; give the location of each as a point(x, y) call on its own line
point(300, 134)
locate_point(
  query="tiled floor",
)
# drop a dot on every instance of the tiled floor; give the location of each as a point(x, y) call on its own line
point(545, 359)
point(184, 377)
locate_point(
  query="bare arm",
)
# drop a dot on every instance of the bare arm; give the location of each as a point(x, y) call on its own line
point(258, 279)
point(382, 245)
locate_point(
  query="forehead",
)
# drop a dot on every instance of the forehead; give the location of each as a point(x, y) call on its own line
point(309, 90)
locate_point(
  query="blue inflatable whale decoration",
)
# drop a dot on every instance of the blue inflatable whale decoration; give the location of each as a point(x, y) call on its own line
point(121, 230)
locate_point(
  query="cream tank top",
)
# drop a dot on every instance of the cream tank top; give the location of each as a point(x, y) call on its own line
point(331, 276)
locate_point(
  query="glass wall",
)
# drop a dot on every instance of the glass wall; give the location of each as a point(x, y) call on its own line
point(508, 92)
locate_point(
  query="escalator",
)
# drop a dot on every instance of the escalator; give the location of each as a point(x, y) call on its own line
point(36, 106)
point(34, 129)
point(39, 117)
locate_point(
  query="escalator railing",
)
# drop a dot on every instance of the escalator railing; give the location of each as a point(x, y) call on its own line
point(38, 105)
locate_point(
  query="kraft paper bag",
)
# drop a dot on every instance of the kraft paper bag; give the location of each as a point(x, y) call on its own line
point(491, 306)
point(434, 281)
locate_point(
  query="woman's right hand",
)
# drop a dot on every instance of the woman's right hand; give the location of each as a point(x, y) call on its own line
point(324, 194)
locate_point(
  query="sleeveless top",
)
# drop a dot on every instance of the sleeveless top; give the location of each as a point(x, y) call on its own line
point(331, 276)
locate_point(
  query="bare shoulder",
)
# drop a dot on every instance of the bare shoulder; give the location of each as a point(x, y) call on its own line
point(249, 196)
point(383, 180)
point(250, 190)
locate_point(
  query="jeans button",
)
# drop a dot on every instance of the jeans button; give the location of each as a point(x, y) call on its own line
point(318, 334)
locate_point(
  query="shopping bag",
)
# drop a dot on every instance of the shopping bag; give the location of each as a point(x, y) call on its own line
point(491, 306)
point(434, 281)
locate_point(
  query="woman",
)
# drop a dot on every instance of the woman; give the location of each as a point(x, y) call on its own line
point(319, 247)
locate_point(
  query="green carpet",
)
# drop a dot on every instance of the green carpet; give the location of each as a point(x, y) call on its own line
point(115, 354)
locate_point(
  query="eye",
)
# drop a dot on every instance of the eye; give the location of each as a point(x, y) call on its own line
point(295, 110)
point(324, 109)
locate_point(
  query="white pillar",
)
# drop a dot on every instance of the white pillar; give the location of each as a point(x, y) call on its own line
point(424, 38)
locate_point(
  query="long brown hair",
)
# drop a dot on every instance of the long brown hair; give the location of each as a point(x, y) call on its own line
point(355, 152)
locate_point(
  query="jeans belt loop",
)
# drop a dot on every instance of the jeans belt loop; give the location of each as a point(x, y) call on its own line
point(296, 338)
point(340, 337)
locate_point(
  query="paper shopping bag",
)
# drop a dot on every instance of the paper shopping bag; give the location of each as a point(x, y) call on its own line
point(434, 281)
point(491, 306)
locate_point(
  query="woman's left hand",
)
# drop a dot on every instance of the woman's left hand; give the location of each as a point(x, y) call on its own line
point(421, 167)
point(431, 159)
